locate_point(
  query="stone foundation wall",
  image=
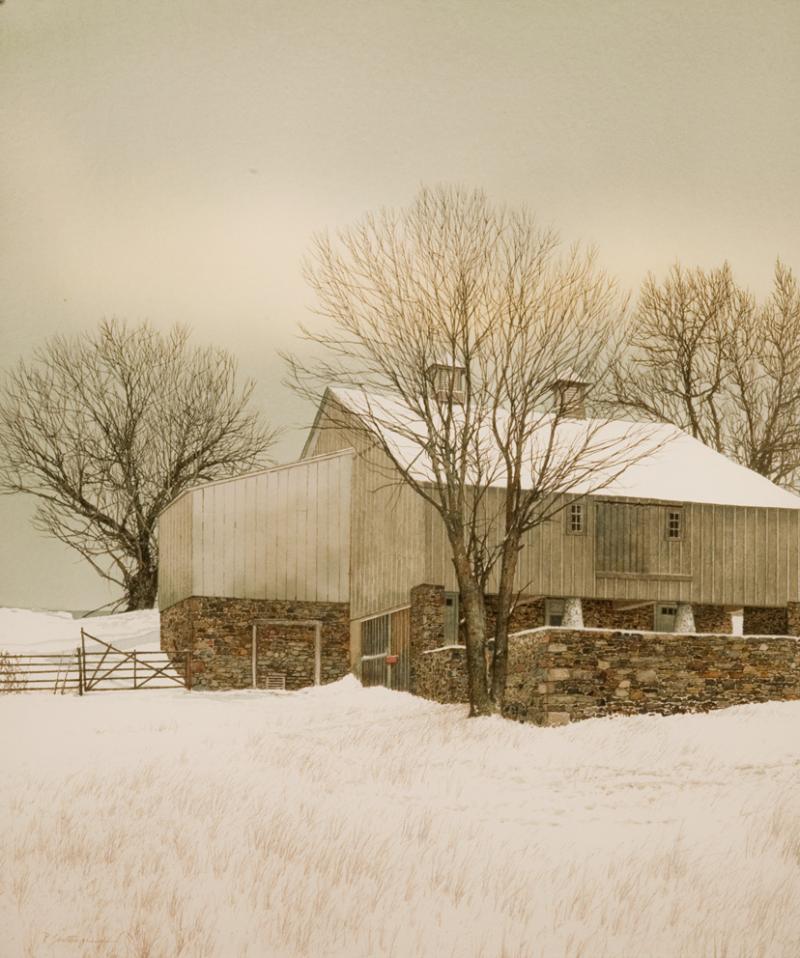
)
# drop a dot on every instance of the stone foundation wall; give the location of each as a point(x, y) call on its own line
point(765, 621)
point(560, 675)
point(715, 620)
point(601, 614)
point(218, 632)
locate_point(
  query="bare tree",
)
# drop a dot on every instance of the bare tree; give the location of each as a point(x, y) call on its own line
point(105, 429)
point(763, 382)
point(704, 355)
point(455, 318)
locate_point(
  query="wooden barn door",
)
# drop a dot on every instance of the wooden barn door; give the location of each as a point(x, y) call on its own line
point(385, 647)
point(400, 629)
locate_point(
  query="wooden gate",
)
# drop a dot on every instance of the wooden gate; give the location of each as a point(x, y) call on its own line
point(109, 669)
point(385, 650)
point(94, 666)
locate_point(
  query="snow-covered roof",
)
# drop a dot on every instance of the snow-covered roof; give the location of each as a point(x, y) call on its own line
point(670, 465)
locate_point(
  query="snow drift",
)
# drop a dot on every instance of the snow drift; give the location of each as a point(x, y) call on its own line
point(352, 822)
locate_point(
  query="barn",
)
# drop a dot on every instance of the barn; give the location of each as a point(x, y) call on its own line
point(300, 573)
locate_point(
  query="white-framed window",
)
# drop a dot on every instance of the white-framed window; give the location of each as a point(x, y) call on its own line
point(553, 611)
point(675, 523)
point(576, 519)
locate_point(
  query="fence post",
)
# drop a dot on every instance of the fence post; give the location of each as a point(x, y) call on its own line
point(187, 670)
point(80, 671)
point(83, 662)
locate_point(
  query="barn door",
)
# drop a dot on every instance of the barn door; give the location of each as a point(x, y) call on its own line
point(374, 650)
point(385, 645)
point(400, 630)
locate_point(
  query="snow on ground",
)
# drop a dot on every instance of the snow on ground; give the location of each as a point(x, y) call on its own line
point(362, 823)
point(25, 631)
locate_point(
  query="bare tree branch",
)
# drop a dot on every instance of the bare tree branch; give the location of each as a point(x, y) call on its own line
point(105, 429)
point(707, 357)
point(450, 321)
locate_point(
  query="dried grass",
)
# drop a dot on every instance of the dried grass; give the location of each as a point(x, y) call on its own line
point(351, 822)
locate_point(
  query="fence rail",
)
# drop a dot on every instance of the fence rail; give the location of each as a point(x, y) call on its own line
point(96, 667)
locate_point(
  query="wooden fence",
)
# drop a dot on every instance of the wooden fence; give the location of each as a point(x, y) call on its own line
point(94, 666)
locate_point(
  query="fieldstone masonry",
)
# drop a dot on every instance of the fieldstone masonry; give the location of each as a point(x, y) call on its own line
point(766, 621)
point(218, 635)
point(441, 675)
point(426, 625)
point(793, 618)
point(557, 676)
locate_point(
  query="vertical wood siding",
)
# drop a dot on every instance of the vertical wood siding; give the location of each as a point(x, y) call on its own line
point(175, 529)
point(278, 534)
point(727, 555)
point(389, 540)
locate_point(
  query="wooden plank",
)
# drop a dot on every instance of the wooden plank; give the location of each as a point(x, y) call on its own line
point(345, 467)
point(235, 561)
point(260, 539)
point(771, 554)
point(247, 535)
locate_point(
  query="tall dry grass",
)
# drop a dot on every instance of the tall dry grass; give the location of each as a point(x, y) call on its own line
point(351, 822)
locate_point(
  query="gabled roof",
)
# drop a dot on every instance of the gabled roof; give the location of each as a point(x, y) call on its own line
point(672, 467)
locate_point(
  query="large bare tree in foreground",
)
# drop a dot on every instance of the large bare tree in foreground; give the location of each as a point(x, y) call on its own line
point(105, 429)
point(706, 356)
point(454, 319)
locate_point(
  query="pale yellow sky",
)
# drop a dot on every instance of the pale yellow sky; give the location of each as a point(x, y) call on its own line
point(171, 161)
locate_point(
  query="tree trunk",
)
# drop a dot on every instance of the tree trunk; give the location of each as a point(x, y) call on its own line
point(505, 598)
point(142, 589)
point(471, 596)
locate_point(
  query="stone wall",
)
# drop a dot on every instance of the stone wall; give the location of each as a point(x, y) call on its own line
point(714, 619)
point(601, 614)
point(218, 632)
point(765, 621)
point(793, 618)
point(442, 675)
point(560, 675)
point(426, 625)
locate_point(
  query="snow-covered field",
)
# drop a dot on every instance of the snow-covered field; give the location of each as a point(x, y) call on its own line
point(352, 822)
point(25, 631)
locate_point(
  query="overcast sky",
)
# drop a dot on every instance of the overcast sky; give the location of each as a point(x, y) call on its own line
point(171, 160)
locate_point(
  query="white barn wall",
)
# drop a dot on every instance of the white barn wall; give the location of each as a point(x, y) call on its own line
point(175, 552)
point(283, 533)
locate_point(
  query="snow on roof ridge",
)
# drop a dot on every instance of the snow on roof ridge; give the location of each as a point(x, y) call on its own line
point(681, 469)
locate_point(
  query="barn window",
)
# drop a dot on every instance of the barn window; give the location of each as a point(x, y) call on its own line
point(576, 524)
point(675, 523)
point(664, 619)
point(553, 611)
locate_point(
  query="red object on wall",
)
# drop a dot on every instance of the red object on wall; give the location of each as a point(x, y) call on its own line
point(391, 659)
